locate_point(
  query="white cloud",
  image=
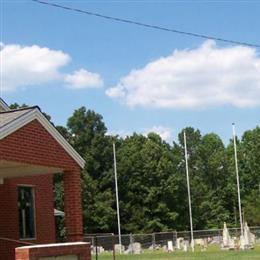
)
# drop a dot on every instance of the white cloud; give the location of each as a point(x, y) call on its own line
point(116, 92)
point(121, 133)
point(202, 77)
point(83, 79)
point(164, 132)
point(25, 66)
point(30, 65)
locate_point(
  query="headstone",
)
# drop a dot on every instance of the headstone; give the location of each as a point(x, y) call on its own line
point(117, 248)
point(227, 243)
point(134, 248)
point(170, 246)
point(204, 245)
point(248, 239)
point(215, 240)
point(98, 249)
point(137, 248)
point(151, 247)
point(164, 248)
point(199, 241)
point(179, 242)
point(154, 247)
point(185, 246)
point(242, 243)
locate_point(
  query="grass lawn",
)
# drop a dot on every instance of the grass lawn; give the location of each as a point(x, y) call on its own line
point(212, 253)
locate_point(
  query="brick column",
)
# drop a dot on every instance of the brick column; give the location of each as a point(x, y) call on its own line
point(72, 205)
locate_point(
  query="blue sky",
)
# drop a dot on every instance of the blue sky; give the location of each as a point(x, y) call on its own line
point(131, 75)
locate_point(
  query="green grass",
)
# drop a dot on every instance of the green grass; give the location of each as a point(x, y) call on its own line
point(211, 253)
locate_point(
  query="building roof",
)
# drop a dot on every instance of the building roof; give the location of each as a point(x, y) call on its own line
point(12, 120)
point(3, 106)
point(11, 115)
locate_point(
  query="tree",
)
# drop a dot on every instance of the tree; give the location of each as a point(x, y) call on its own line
point(87, 133)
point(197, 185)
point(64, 132)
point(250, 175)
point(252, 207)
point(250, 166)
point(17, 106)
point(231, 186)
point(130, 182)
point(144, 167)
point(213, 171)
point(152, 178)
point(85, 125)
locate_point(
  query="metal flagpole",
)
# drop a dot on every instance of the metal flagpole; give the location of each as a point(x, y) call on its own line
point(188, 186)
point(238, 185)
point(117, 200)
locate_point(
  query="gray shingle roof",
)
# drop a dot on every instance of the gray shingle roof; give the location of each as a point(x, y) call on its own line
point(9, 116)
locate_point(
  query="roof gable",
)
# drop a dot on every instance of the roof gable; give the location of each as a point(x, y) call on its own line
point(7, 117)
point(14, 120)
point(3, 106)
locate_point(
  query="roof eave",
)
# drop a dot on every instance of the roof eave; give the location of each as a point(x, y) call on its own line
point(4, 105)
point(36, 114)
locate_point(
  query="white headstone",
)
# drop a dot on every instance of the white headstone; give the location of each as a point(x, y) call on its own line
point(164, 248)
point(179, 242)
point(170, 246)
point(185, 247)
point(248, 239)
point(117, 248)
point(228, 242)
point(137, 248)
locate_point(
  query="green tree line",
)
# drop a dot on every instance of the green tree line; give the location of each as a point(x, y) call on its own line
point(152, 178)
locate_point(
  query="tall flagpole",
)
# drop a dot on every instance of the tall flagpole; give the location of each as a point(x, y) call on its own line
point(188, 186)
point(237, 175)
point(117, 200)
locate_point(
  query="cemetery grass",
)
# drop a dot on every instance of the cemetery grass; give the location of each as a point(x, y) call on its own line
point(212, 252)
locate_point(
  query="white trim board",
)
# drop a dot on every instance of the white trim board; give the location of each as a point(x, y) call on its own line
point(4, 105)
point(36, 114)
point(57, 245)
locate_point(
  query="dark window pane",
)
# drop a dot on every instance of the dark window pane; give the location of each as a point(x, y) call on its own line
point(26, 212)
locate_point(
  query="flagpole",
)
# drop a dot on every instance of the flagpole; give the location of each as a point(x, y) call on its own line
point(117, 200)
point(188, 186)
point(237, 175)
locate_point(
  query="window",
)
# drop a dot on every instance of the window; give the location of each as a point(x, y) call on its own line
point(26, 212)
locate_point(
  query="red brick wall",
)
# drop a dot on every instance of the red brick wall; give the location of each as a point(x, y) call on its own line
point(72, 206)
point(33, 144)
point(81, 250)
point(44, 215)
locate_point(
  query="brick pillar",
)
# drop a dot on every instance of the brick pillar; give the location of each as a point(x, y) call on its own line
point(72, 205)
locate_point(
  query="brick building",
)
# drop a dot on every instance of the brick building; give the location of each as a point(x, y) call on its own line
point(31, 151)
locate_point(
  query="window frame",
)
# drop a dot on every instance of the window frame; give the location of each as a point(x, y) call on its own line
point(33, 187)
